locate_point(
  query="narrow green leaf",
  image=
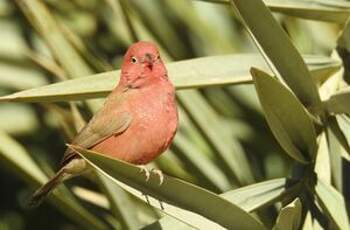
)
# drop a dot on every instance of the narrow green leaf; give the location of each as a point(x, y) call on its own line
point(291, 68)
point(191, 15)
point(120, 202)
point(61, 49)
point(208, 121)
point(339, 102)
point(343, 49)
point(193, 133)
point(290, 216)
point(308, 225)
point(16, 158)
point(170, 163)
point(320, 68)
point(326, 10)
point(202, 163)
point(338, 133)
point(18, 119)
point(144, 212)
point(344, 123)
point(323, 164)
point(330, 10)
point(20, 78)
point(13, 153)
point(47, 64)
point(42, 20)
point(255, 196)
point(138, 28)
point(193, 73)
point(164, 31)
point(119, 24)
point(176, 192)
point(334, 150)
point(286, 116)
point(331, 84)
point(251, 197)
point(168, 223)
point(333, 203)
point(98, 64)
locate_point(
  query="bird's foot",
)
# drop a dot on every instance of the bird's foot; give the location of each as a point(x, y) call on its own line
point(144, 170)
point(148, 172)
point(160, 175)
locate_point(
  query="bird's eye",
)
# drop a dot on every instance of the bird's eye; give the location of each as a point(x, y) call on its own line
point(133, 60)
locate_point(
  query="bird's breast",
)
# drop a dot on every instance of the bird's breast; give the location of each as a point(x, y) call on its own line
point(152, 129)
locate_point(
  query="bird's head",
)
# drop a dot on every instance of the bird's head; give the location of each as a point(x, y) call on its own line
point(142, 65)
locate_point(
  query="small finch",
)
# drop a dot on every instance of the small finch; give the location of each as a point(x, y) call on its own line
point(137, 122)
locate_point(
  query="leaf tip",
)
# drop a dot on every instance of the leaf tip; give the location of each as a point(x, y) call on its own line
point(255, 72)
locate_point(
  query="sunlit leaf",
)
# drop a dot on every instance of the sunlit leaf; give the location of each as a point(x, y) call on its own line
point(334, 150)
point(201, 162)
point(20, 78)
point(175, 192)
point(17, 119)
point(336, 130)
point(333, 203)
point(255, 196)
point(168, 223)
point(291, 68)
point(289, 217)
point(39, 15)
point(339, 102)
point(164, 32)
point(120, 202)
point(194, 73)
point(230, 151)
point(170, 163)
point(286, 116)
point(329, 10)
point(308, 222)
point(250, 198)
point(323, 164)
point(15, 156)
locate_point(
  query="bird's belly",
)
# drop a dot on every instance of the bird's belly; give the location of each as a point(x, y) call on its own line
point(149, 134)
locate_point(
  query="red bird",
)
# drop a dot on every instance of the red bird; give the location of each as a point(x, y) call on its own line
point(137, 122)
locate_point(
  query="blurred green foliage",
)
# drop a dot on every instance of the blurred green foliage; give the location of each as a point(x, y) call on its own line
point(224, 143)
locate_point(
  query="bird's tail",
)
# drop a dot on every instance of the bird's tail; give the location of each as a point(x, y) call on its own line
point(45, 190)
point(73, 168)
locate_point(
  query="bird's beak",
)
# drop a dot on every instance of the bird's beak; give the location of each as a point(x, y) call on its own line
point(148, 60)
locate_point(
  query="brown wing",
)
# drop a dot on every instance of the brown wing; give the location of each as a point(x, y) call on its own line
point(107, 122)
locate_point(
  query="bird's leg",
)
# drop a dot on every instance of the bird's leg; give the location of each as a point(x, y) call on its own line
point(147, 172)
point(160, 175)
point(143, 169)
point(147, 199)
point(161, 204)
point(149, 203)
point(161, 180)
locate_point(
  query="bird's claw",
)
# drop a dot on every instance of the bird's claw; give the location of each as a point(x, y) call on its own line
point(160, 175)
point(147, 173)
point(143, 169)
